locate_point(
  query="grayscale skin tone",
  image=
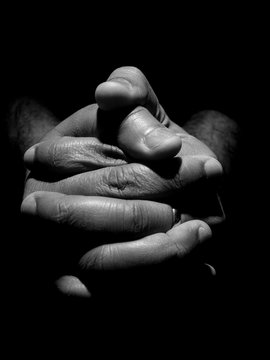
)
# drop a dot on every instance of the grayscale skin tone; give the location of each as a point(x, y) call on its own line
point(118, 184)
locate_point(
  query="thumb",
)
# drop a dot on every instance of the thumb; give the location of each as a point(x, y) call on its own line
point(127, 86)
point(148, 136)
point(144, 138)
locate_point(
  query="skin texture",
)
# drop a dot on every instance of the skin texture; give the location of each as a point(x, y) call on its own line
point(145, 134)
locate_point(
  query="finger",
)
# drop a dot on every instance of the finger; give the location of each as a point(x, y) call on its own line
point(151, 250)
point(134, 181)
point(160, 142)
point(144, 138)
point(94, 214)
point(211, 269)
point(127, 86)
point(71, 286)
point(72, 155)
point(140, 135)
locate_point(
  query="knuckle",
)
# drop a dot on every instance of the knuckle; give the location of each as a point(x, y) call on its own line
point(62, 213)
point(64, 153)
point(54, 155)
point(31, 185)
point(180, 249)
point(118, 179)
point(187, 242)
point(133, 70)
point(137, 218)
point(104, 154)
point(131, 181)
point(135, 114)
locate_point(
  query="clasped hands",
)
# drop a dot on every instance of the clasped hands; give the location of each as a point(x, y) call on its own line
point(122, 172)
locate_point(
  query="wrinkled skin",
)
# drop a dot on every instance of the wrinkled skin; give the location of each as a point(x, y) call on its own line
point(123, 158)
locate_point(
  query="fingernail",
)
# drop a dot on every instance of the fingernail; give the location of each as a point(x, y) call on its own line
point(204, 233)
point(29, 205)
point(158, 136)
point(213, 169)
point(29, 155)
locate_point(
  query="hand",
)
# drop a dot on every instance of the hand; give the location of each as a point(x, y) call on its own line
point(134, 147)
point(65, 151)
point(162, 247)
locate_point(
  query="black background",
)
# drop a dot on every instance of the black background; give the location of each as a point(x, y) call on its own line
point(194, 61)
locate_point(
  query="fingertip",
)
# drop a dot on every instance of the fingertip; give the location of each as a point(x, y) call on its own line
point(204, 232)
point(114, 94)
point(213, 169)
point(210, 269)
point(190, 233)
point(41, 203)
point(29, 205)
point(72, 286)
point(29, 156)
